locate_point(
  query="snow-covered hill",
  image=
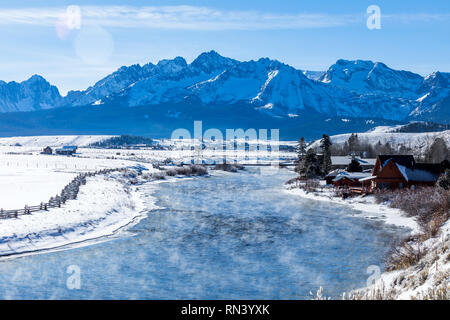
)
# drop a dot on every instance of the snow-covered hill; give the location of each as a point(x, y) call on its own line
point(359, 88)
point(418, 142)
point(52, 141)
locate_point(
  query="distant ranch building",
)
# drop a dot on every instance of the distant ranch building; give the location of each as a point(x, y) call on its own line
point(67, 150)
point(47, 150)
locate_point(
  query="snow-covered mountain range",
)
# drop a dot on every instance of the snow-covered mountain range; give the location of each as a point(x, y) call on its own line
point(363, 89)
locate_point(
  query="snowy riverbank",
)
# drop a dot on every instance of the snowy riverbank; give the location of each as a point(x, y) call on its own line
point(428, 278)
point(366, 205)
point(105, 205)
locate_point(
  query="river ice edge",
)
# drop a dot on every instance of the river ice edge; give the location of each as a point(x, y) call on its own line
point(415, 282)
point(105, 206)
point(367, 205)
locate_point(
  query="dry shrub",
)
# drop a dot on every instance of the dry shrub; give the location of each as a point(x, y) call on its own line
point(436, 293)
point(432, 228)
point(382, 196)
point(419, 202)
point(310, 185)
point(339, 192)
point(171, 172)
point(375, 293)
point(405, 255)
point(441, 277)
point(158, 176)
point(293, 180)
point(187, 170)
point(199, 170)
point(229, 167)
point(430, 205)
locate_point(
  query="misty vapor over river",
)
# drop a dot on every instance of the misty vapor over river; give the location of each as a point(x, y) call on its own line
point(228, 236)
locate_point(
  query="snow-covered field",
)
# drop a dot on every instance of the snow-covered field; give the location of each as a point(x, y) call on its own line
point(188, 156)
point(22, 186)
point(103, 207)
point(177, 150)
point(29, 179)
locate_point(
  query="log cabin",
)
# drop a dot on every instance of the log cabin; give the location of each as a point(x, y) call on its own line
point(401, 171)
point(349, 179)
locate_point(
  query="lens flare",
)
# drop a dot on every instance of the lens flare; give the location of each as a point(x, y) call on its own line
point(94, 45)
point(70, 20)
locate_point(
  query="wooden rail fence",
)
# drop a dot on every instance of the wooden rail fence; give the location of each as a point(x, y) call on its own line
point(70, 192)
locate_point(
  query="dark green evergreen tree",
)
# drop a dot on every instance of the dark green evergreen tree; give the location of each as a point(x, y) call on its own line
point(325, 144)
point(301, 152)
point(311, 167)
point(354, 166)
point(353, 142)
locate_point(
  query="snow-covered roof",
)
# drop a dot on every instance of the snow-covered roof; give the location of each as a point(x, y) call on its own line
point(417, 174)
point(351, 175)
point(404, 160)
point(345, 160)
point(335, 172)
point(368, 178)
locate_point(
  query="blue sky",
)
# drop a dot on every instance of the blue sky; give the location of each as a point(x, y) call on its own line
point(73, 54)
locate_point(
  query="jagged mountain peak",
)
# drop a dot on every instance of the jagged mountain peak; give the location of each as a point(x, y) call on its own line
point(209, 56)
point(354, 88)
point(365, 76)
point(35, 78)
point(32, 94)
point(437, 79)
point(366, 64)
point(172, 64)
point(211, 61)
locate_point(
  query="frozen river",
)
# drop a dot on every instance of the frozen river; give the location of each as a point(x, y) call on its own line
point(230, 236)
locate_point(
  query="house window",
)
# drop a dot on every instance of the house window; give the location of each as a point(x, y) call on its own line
point(384, 186)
